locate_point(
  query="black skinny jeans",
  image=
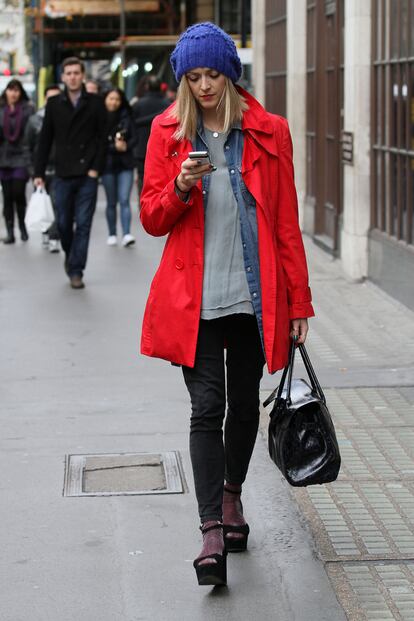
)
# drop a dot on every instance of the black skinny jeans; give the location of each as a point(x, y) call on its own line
point(212, 459)
point(14, 194)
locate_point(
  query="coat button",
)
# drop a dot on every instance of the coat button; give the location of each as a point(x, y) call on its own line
point(179, 264)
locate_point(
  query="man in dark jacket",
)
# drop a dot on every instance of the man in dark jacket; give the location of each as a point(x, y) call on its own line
point(144, 111)
point(75, 122)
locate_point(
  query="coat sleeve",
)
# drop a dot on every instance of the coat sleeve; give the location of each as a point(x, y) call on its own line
point(44, 145)
point(98, 162)
point(289, 236)
point(160, 205)
point(132, 133)
point(31, 137)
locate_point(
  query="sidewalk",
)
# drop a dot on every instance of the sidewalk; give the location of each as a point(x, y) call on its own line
point(72, 382)
point(362, 345)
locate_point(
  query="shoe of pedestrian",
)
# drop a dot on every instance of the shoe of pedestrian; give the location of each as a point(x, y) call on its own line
point(232, 506)
point(128, 240)
point(24, 235)
point(214, 573)
point(76, 282)
point(54, 245)
point(10, 239)
point(112, 240)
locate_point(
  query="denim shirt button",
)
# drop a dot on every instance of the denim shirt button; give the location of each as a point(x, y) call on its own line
point(255, 294)
point(227, 147)
point(244, 245)
point(204, 192)
point(249, 269)
point(232, 171)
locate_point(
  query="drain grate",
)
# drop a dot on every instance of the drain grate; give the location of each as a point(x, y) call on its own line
point(122, 474)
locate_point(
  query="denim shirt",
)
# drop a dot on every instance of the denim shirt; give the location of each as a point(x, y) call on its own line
point(233, 150)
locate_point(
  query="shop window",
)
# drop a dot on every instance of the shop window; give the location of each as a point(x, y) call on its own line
point(311, 99)
point(230, 16)
point(393, 118)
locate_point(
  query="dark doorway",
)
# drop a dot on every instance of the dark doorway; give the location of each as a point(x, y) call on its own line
point(325, 50)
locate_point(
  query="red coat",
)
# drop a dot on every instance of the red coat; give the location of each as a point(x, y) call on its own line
point(172, 314)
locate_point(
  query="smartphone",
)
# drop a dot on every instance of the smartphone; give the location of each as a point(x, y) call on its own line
point(203, 156)
point(200, 155)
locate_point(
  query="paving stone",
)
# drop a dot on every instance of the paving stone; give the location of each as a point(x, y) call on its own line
point(367, 515)
point(382, 591)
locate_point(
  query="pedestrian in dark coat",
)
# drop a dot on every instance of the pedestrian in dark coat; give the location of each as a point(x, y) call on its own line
point(233, 272)
point(118, 174)
point(75, 122)
point(15, 111)
point(144, 111)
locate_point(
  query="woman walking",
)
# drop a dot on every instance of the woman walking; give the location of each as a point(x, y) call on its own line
point(233, 273)
point(15, 111)
point(118, 175)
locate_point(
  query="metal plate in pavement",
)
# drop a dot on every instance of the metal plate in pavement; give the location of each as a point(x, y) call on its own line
point(120, 474)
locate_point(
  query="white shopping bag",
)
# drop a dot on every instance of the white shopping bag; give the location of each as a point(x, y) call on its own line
point(39, 214)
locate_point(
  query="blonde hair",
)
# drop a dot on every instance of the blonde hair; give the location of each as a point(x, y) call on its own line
point(229, 109)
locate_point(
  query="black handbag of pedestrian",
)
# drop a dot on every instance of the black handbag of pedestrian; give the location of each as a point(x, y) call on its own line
point(302, 439)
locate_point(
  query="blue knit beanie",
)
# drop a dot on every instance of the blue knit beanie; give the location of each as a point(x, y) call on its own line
point(206, 45)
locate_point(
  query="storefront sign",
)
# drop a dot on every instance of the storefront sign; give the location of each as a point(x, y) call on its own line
point(60, 8)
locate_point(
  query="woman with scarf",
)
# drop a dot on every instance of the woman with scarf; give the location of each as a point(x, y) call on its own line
point(15, 110)
point(118, 175)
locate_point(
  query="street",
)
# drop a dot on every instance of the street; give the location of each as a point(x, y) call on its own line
point(73, 382)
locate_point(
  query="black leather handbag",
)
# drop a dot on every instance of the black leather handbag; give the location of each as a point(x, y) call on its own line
point(302, 439)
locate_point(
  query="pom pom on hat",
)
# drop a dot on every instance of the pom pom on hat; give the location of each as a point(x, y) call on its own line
point(206, 45)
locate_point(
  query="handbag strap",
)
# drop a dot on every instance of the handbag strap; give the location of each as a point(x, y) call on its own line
point(311, 373)
point(288, 372)
point(291, 364)
point(277, 392)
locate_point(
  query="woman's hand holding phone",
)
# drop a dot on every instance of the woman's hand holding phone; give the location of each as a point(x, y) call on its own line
point(192, 170)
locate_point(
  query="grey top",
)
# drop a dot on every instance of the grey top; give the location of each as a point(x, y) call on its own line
point(225, 289)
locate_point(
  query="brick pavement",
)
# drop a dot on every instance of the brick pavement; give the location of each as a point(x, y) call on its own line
point(362, 346)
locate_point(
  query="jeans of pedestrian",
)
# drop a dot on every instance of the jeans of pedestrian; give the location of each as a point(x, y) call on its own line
point(118, 187)
point(214, 458)
point(75, 202)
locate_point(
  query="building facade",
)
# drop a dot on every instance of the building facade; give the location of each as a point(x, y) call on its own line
point(132, 42)
point(13, 54)
point(342, 72)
